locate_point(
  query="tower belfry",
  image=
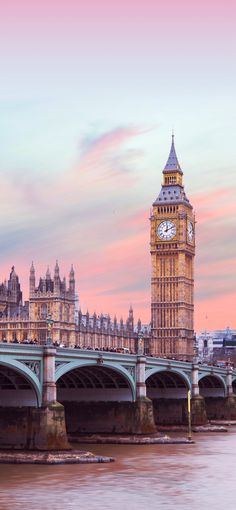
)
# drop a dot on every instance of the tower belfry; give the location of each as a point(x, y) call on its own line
point(172, 255)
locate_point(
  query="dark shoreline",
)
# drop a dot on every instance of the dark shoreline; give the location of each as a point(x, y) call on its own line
point(51, 457)
point(128, 439)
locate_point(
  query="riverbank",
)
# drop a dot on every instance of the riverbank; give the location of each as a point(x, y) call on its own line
point(213, 426)
point(53, 457)
point(128, 439)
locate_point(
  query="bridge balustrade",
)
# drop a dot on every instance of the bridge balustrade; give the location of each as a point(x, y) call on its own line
point(108, 391)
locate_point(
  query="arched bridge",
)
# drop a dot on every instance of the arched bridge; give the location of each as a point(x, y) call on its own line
point(94, 385)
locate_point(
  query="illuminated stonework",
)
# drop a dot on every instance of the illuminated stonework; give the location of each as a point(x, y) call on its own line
point(172, 256)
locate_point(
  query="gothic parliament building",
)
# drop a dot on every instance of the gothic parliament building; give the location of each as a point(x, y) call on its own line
point(171, 331)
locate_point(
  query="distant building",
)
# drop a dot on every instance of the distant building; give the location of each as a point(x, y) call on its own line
point(10, 296)
point(204, 344)
point(172, 241)
point(216, 345)
point(52, 297)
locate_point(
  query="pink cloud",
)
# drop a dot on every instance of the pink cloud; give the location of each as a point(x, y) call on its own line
point(214, 205)
point(216, 313)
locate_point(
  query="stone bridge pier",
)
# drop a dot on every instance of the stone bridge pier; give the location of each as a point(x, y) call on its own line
point(198, 407)
point(102, 396)
point(47, 393)
point(212, 395)
point(145, 423)
point(30, 416)
point(49, 419)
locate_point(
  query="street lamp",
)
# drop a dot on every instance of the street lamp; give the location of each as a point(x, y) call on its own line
point(50, 322)
point(140, 343)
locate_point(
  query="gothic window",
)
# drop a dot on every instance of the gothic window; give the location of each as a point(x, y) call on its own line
point(44, 311)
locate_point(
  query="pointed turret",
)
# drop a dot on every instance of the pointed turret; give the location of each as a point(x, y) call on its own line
point(56, 279)
point(13, 286)
point(72, 281)
point(139, 325)
point(80, 316)
point(48, 275)
point(56, 270)
point(172, 163)
point(108, 323)
point(64, 284)
point(94, 321)
point(44, 285)
point(130, 320)
point(172, 191)
point(87, 320)
point(32, 280)
point(13, 275)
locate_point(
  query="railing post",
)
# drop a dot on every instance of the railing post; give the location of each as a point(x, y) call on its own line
point(230, 401)
point(229, 382)
point(49, 383)
point(195, 385)
point(198, 407)
point(141, 390)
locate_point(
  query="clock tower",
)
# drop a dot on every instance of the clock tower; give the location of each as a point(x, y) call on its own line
point(172, 256)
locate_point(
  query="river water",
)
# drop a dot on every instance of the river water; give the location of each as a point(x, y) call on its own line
point(198, 476)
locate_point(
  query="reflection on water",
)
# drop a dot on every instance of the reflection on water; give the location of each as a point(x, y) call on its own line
point(143, 477)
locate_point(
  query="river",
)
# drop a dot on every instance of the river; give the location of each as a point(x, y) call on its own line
point(147, 477)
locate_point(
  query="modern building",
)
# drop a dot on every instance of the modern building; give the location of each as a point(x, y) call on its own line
point(213, 346)
point(205, 346)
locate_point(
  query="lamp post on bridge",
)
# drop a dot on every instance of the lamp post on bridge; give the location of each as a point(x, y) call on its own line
point(50, 322)
point(140, 344)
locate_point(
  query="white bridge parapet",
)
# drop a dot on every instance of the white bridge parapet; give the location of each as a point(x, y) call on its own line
point(43, 366)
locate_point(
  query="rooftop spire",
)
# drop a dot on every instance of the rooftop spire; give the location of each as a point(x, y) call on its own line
point(172, 162)
point(56, 270)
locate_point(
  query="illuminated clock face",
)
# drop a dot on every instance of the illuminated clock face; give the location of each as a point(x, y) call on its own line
point(166, 230)
point(190, 231)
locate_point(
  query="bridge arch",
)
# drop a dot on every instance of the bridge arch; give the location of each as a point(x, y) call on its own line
point(168, 378)
point(89, 375)
point(212, 385)
point(168, 389)
point(97, 397)
point(234, 383)
point(19, 386)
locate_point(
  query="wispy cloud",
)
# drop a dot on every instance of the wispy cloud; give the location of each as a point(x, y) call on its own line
point(86, 216)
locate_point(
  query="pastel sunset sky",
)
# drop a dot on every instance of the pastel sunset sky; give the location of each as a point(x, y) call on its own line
point(89, 93)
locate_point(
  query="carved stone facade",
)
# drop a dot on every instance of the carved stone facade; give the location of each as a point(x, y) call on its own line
point(51, 297)
point(10, 295)
point(172, 255)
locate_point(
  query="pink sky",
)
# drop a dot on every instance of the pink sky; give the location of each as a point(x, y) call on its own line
point(89, 94)
point(110, 249)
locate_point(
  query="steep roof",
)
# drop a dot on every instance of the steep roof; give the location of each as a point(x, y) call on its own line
point(172, 161)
